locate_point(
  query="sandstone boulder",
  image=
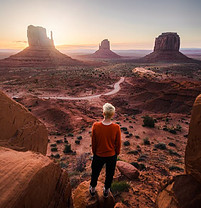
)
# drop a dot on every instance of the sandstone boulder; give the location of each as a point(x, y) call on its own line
point(193, 148)
point(20, 130)
point(83, 199)
point(127, 170)
point(183, 192)
point(29, 179)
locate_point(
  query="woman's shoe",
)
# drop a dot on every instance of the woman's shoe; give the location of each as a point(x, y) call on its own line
point(92, 191)
point(106, 192)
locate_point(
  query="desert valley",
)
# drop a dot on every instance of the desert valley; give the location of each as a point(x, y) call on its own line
point(153, 96)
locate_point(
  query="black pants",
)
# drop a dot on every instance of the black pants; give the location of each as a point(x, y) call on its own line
point(97, 165)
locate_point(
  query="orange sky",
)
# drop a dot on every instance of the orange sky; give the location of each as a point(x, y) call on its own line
point(128, 24)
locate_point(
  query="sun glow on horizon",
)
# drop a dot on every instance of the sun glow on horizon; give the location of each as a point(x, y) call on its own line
point(129, 24)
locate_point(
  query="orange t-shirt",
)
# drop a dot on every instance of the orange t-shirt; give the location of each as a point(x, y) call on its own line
point(106, 139)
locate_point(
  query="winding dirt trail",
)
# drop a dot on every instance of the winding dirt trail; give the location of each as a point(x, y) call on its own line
point(115, 90)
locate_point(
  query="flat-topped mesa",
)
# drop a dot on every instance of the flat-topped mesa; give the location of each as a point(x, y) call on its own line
point(105, 45)
point(166, 49)
point(37, 37)
point(167, 42)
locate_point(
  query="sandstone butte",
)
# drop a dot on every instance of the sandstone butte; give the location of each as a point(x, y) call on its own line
point(184, 191)
point(27, 177)
point(166, 49)
point(40, 52)
point(104, 51)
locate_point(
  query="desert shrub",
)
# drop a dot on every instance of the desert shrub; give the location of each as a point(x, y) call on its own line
point(133, 152)
point(63, 165)
point(142, 158)
point(131, 127)
point(174, 167)
point(81, 163)
point(172, 144)
point(65, 140)
point(71, 135)
point(139, 166)
point(67, 148)
point(120, 186)
point(79, 137)
point(161, 146)
point(137, 137)
point(148, 121)
point(178, 127)
point(146, 141)
point(59, 141)
point(77, 141)
point(126, 132)
point(172, 152)
point(53, 145)
point(124, 128)
point(126, 143)
point(57, 156)
point(54, 149)
point(172, 131)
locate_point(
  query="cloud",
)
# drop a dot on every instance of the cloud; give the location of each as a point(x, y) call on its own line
point(20, 41)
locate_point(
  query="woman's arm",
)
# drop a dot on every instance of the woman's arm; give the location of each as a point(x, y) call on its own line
point(118, 141)
point(93, 140)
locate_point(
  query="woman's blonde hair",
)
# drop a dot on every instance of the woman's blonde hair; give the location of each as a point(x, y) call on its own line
point(108, 110)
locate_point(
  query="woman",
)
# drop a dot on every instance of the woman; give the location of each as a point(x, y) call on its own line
point(106, 143)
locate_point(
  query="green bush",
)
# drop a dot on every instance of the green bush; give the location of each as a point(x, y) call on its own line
point(67, 148)
point(126, 143)
point(161, 146)
point(172, 152)
point(120, 186)
point(54, 149)
point(173, 167)
point(146, 141)
point(139, 166)
point(148, 121)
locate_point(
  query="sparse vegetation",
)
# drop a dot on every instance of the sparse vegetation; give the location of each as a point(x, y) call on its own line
point(126, 143)
point(146, 141)
point(54, 149)
point(81, 163)
point(67, 149)
point(139, 166)
point(173, 168)
point(148, 121)
point(161, 146)
point(120, 186)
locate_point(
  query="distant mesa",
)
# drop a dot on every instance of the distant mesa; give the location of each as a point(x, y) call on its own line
point(166, 49)
point(104, 51)
point(41, 51)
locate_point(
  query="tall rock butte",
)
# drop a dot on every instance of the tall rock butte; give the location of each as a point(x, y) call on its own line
point(166, 49)
point(104, 51)
point(41, 52)
point(27, 177)
point(37, 37)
